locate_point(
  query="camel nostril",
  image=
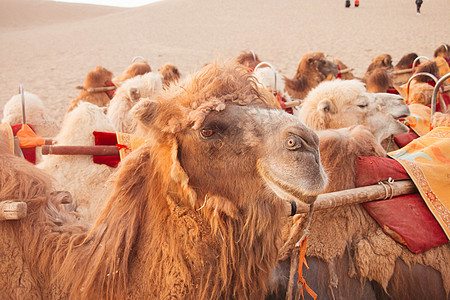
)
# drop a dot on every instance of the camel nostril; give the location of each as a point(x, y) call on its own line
point(293, 143)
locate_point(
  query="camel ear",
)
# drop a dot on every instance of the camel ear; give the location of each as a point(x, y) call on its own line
point(134, 94)
point(145, 111)
point(325, 106)
point(310, 60)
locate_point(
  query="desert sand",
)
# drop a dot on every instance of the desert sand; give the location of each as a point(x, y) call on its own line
point(50, 47)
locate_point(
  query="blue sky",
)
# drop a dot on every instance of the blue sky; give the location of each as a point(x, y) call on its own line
point(118, 3)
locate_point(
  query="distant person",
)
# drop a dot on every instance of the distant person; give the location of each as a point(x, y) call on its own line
point(356, 3)
point(347, 3)
point(418, 4)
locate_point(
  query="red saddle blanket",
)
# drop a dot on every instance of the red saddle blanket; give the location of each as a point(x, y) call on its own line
point(106, 138)
point(405, 218)
point(28, 153)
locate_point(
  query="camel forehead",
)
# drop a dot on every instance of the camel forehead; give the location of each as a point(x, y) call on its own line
point(387, 99)
point(257, 115)
point(268, 117)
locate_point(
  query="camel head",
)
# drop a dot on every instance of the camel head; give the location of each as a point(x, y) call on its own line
point(442, 51)
point(406, 61)
point(317, 62)
point(228, 148)
point(170, 74)
point(381, 61)
point(98, 77)
point(133, 70)
point(248, 59)
point(343, 103)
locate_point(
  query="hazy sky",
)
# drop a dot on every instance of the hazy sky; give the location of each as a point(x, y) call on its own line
point(119, 3)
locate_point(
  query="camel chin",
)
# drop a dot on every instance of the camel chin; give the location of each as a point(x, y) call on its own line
point(285, 190)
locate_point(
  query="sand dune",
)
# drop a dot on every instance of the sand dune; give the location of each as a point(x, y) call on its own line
point(49, 47)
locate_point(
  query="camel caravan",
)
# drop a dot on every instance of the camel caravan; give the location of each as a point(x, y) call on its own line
point(235, 182)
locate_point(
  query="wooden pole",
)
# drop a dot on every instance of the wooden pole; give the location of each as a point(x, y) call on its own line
point(97, 89)
point(404, 71)
point(357, 195)
point(80, 150)
point(292, 103)
point(10, 210)
point(346, 70)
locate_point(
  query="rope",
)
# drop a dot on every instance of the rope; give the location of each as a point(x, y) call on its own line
point(298, 259)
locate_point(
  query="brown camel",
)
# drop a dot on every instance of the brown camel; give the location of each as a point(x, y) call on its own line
point(405, 63)
point(312, 69)
point(136, 68)
point(419, 90)
point(379, 74)
point(170, 74)
point(349, 255)
point(195, 212)
point(97, 78)
point(442, 51)
point(248, 59)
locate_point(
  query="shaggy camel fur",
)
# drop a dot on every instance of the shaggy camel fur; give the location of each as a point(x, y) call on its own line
point(342, 103)
point(170, 228)
point(312, 69)
point(99, 77)
point(133, 70)
point(170, 74)
point(37, 115)
point(141, 86)
point(248, 59)
point(78, 174)
point(379, 81)
point(349, 255)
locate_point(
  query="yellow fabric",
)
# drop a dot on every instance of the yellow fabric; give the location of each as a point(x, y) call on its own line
point(7, 131)
point(128, 143)
point(427, 161)
point(27, 137)
point(420, 118)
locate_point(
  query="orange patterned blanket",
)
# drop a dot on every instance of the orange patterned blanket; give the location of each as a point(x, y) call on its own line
point(427, 161)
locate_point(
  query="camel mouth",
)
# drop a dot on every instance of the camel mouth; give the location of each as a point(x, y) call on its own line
point(402, 123)
point(285, 190)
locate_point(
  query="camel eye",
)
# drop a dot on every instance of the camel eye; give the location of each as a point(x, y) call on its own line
point(362, 106)
point(293, 143)
point(206, 132)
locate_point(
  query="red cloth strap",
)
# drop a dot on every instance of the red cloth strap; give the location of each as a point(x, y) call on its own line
point(392, 91)
point(106, 138)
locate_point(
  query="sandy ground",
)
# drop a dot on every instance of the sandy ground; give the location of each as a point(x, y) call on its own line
point(49, 47)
